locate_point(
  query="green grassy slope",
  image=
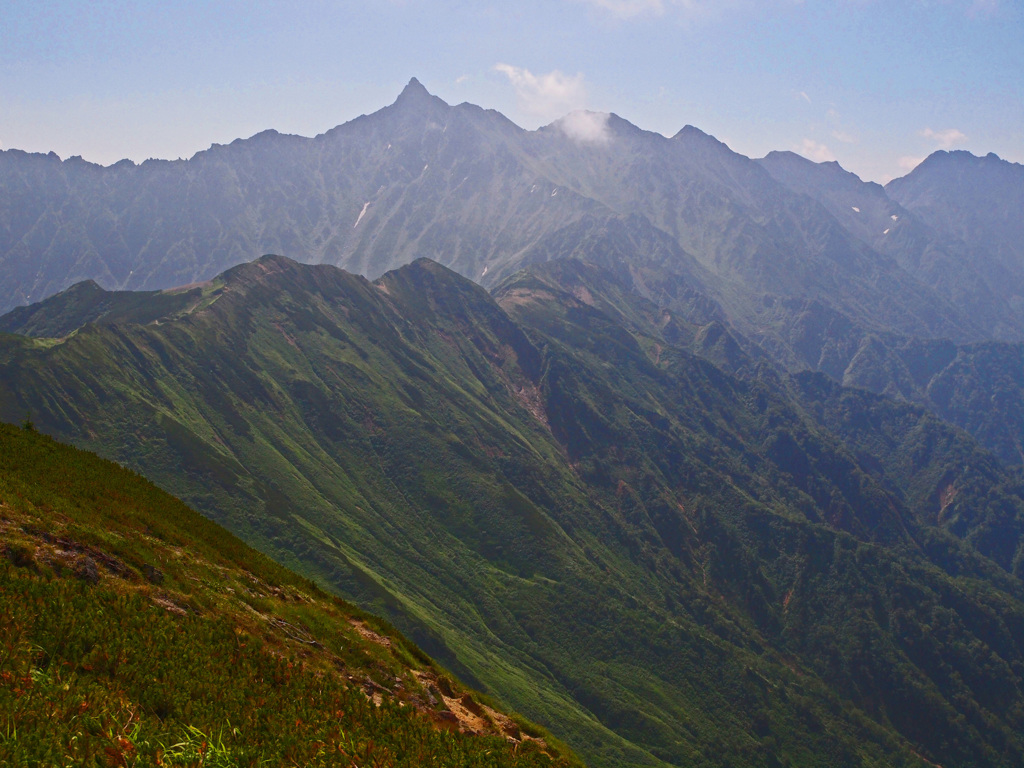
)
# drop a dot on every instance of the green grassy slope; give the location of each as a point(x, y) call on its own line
point(86, 302)
point(665, 563)
point(136, 632)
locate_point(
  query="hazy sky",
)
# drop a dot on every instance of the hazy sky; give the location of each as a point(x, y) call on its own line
point(874, 84)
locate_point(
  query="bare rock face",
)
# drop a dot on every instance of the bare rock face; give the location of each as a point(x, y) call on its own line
point(153, 574)
point(86, 570)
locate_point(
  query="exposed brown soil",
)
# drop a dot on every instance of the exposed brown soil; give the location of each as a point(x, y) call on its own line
point(369, 634)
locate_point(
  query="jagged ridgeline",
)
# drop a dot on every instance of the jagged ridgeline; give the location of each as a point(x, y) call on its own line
point(779, 248)
point(664, 561)
point(135, 632)
point(903, 290)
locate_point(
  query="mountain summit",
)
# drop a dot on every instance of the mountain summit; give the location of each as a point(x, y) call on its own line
point(414, 90)
point(415, 95)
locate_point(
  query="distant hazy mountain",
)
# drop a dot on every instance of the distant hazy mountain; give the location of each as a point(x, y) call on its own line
point(668, 562)
point(958, 260)
point(418, 177)
point(962, 234)
point(980, 202)
point(471, 190)
point(977, 200)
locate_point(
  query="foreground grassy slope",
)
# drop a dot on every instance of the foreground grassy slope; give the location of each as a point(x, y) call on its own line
point(135, 632)
point(668, 564)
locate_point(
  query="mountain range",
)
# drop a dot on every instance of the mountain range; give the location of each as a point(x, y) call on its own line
point(694, 459)
point(820, 270)
point(471, 190)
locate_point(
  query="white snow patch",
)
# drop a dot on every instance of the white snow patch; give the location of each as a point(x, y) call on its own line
point(389, 146)
point(425, 168)
point(855, 208)
point(533, 188)
point(361, 214)
point(484, 272)
point(894, 217)
point(886, 232)
point(554, 192)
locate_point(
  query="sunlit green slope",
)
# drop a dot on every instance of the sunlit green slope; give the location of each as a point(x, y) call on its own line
point(135, 632)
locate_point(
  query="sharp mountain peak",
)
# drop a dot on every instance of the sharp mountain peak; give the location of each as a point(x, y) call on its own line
point(693, 133)
point(413, 87)
point(415, 95)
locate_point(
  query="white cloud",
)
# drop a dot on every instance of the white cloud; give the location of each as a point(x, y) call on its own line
point(816, 151)
point(461, 79)
point(908, 163)
point(546, 96)
point(843, 136)
point(945, 139)
point(586, 127)
point(803, 95)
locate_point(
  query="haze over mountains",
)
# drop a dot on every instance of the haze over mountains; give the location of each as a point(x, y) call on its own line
point(471, 190)
point(817, 268)
point(609, 452)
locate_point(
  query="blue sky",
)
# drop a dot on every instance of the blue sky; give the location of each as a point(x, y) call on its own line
point(874, 84)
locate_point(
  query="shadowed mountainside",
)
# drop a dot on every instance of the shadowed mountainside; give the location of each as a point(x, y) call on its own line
point(957, 238)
